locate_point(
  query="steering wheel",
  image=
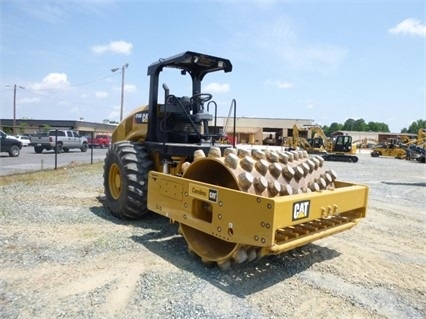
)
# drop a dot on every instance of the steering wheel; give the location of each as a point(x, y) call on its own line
point(202, 97)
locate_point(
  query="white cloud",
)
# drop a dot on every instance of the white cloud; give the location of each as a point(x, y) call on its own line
point(101, 94)
point(280, 84)
point(44, 11)
point(75, 110)
point(216, 88)
point(114, 47)
point(52, 81)
point(307, 104)
point(322, 58)
point(114, 114)
point(409, 26)
point(64, 103)
point(60, 11)
point(310, 106)
point(128, 88)
point(29, 100)
point(280, 42)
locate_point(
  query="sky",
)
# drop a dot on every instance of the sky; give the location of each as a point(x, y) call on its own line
point(322, 60)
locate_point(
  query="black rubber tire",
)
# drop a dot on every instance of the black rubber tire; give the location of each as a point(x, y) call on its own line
point(130, 163)
point(84, 147)
point(14, 151)
point(38, 149)
point(66, 149)
point(59, 148)
point(375, 154)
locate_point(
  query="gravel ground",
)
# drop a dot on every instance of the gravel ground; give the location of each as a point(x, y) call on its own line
point(63, 256)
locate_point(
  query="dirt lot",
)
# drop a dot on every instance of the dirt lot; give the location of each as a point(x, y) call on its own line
point(63, 256)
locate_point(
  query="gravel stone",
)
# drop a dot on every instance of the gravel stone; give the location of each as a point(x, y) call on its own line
point(62, 255)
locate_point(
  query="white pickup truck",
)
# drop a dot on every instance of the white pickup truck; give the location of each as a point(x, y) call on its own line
point(59, 140)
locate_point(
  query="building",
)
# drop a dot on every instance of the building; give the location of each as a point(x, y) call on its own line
point(259, 130)
point(30, 126)
point(247, 130)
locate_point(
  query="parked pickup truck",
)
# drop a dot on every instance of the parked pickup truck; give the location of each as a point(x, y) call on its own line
point(9, 145)
point(59, 140)
point(101, 141)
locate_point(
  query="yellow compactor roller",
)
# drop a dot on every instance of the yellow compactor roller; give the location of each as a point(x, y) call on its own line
point(232, 204)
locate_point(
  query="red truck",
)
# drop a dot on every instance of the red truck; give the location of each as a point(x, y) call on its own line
point(101, 141)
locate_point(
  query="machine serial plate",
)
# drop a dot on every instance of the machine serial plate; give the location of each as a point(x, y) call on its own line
point(171, 189)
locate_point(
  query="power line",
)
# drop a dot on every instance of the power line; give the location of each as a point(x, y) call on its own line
point(69, 86)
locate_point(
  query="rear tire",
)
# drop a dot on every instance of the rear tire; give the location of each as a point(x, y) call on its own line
point(38, 149)
point(84, 147)
point(126, 179)
point(59, 148)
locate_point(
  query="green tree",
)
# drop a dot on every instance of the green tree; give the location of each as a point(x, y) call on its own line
point(325, 129)
point(22, 127)
point(357, 125)
point(332, 128)
point(348, 125)
point(414, 127)
point(382, 127)
point(377, 127)
point(46, 128)
point(373, 126)
point(360, 125)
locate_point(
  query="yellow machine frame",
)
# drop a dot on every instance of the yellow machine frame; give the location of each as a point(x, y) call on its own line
point(248, 219)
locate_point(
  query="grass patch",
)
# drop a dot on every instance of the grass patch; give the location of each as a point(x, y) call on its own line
point(52, 176)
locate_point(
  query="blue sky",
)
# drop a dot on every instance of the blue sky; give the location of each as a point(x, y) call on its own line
point(321, 60)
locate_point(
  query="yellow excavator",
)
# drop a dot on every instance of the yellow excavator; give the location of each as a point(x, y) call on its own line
point(341, 149)
point(232, 205)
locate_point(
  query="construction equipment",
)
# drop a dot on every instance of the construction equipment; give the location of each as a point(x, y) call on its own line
point(232, 205)
point(415, 148)
point(402, 147)
point(298, 141)
point(391, 148)
point(365, 142)
point(339, 150)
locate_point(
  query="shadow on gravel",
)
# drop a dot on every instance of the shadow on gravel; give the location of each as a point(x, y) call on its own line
point(104, 213)
point(162, 239)
point(242, 279)
point(405, 184)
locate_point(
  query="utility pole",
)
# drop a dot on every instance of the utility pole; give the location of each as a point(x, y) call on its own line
point(123, 68)
point(14, 105)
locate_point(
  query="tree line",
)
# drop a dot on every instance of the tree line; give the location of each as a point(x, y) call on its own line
point(362, 126)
